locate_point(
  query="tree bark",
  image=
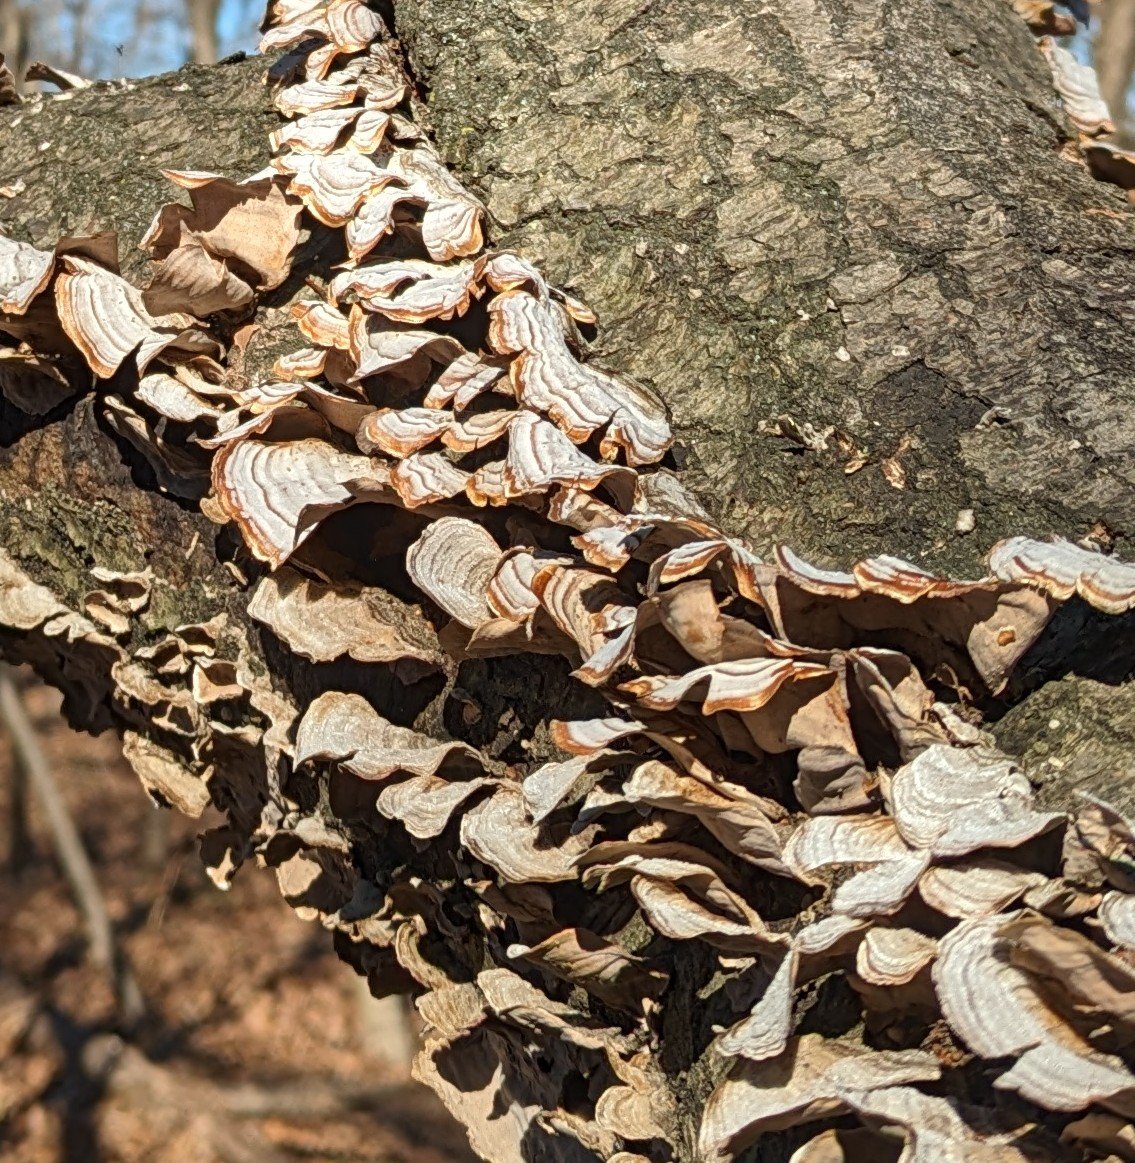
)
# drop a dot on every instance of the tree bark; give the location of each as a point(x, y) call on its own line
point(854, 217)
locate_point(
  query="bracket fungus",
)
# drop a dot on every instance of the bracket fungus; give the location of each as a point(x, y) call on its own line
point(1107, 156)
point(776, 802)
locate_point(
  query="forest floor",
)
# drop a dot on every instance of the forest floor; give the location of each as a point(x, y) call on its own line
point(249, 1043)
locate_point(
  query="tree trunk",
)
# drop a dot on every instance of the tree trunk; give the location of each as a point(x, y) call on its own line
point(203, 30)
point(839, 240)
point(14, 38)
point(1114, 53)
point(852, 215)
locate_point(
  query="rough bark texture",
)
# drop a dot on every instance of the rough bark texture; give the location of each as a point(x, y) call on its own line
point(91, 160)
point(72, 495)
point(851, 214)
point(854, 215)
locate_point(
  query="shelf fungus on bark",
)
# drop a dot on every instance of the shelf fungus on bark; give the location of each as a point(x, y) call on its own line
point(1043, 18)
point(786, 794)
point(1110, 163)
point(1079, 89)
point(25, 271)
point(1004, 1010)
point(324, 622)
point(814, 1079)
point(278, 492)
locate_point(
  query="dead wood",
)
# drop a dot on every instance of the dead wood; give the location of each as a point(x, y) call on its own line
point(330, 573)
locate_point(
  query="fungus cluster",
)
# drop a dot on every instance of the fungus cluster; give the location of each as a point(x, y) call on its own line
point(786, 800)
point(1076, 83)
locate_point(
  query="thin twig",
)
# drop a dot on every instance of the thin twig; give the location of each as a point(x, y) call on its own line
point(69, 848)
point(155, 839)
point(19, 838)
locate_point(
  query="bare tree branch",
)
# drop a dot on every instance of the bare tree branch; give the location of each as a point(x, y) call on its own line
point(540, 738)
point(69, 848)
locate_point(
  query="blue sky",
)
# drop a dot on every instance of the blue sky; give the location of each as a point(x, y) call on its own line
point(112, 45)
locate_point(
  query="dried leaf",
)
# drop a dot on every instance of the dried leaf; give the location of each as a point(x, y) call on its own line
point(190, 279)
point(253, 225)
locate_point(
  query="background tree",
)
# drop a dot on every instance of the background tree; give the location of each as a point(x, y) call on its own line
point(203, 30)
point(100, 38)
point(1114, 50)
point(14, 35)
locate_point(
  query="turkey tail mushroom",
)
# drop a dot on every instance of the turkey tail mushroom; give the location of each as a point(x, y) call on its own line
point(776, 804)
